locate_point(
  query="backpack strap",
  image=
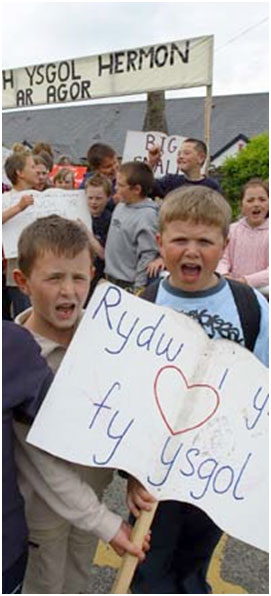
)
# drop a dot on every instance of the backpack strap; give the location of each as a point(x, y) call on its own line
point(246, 302)
point(248, 309)
point(150, 292)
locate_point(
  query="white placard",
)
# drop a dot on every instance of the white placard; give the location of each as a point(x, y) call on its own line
point(175, 65)
point(142, 388)
point(71, 204)
point(137, 145)
point(5, 154)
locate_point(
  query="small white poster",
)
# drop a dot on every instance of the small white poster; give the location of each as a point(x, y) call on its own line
point(71, 204)
point(137, 145)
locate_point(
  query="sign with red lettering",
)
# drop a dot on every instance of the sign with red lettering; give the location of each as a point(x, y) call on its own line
point(142, 388)
point(175, 65)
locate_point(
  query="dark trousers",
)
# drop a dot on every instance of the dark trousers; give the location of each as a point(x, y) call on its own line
point(182, 542)
point(12, 578)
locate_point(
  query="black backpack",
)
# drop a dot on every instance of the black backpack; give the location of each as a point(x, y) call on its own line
point(245, 300)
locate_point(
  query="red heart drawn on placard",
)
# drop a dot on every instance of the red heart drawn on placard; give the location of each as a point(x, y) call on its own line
point(178, 401)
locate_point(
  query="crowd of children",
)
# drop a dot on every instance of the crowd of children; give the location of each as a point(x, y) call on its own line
point(209, 262)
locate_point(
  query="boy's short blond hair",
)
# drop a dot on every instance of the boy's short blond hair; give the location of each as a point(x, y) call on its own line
point(100, 180)
point(199, 204)
point(61, 236)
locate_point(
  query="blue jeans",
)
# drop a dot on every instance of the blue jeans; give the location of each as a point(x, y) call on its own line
point(12, 578)
point(182, 542)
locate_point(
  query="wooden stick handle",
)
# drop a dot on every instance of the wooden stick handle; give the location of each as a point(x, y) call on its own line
point(129, 562)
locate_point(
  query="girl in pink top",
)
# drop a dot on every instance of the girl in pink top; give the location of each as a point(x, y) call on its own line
point(246, 255)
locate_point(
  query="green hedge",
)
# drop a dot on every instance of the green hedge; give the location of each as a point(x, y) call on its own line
point(250, 162)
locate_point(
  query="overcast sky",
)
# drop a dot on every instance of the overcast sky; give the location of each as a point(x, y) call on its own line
point(40, 32)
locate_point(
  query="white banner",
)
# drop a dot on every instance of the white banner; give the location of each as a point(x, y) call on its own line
point(142, 388)
point(5, 153)
point(67, 203)
point(174, 65)
point(137, 145)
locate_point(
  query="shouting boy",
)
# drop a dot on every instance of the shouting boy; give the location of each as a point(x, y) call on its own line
point(193, 233)
point(55, 270)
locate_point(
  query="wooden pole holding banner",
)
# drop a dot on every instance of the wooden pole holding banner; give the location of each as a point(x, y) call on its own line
point(207, 124)
point(129, 562)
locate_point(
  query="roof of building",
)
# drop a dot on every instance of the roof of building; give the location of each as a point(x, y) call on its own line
point(71, 130)
point(239, 137)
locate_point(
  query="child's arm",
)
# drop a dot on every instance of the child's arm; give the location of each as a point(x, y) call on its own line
point(24, 202)
point(155, 266)
point(138, 497)
point(94, 243)
point(258, 279)
point(146, 247)
point(145, 257)
point(61, 487)
point(225, 266)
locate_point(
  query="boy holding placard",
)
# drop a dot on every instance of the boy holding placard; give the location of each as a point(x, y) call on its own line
point(193, 233)
point(55, 270)
point(20, 169)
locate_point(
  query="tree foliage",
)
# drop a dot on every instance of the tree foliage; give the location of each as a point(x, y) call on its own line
point(250, 162)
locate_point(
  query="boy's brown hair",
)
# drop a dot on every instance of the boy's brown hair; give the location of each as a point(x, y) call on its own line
point(16, 163)
point(61, 236)
point(97, 153)
point(199, 204)
point(199, 145)
point(138, 173)
point(100, 180)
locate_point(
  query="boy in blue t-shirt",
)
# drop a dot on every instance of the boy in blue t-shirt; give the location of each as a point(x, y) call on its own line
point(193, 233)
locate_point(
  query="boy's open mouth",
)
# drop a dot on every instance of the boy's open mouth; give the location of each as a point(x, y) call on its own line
point(191, 270)
point(65, 310)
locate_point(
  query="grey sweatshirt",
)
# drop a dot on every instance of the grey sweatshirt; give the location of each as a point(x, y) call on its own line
point(131, 241)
